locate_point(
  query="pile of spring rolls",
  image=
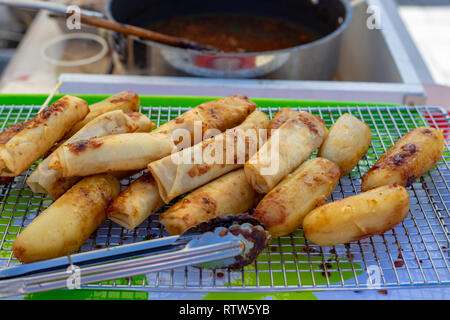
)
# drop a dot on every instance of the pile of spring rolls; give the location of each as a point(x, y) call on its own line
point(219, 158)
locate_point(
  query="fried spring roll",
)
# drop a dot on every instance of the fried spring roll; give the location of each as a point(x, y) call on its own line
point(347, 142)
point(229, 194)
point(64, 226)
point(410, 157)
point(126, 101)
point(290, 145)
point(40, 134)
point(136, 203)
point(350, 219)
point(120, 152)
point(283, 209)
point(142, 122)
point(185, 171)
point(46, 180)
point(141, 198)
point(220, 114)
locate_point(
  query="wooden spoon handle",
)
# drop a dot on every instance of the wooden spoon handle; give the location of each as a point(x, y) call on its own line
point(143, 33)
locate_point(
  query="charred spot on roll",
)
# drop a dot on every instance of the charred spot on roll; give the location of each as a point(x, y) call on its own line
point(82, 145)
point(11, 131)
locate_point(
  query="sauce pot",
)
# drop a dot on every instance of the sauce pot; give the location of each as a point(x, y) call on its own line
point(316, 60)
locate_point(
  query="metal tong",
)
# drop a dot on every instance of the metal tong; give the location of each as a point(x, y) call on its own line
point(232, 241)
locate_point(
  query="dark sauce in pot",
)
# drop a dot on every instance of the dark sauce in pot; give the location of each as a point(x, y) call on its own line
point(236, 33)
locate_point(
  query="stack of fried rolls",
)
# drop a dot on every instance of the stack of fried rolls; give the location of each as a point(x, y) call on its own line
point(180, 172)
point(139, 200)
point(295, 195)
point(143, 197)
point(90, 148)
point(81, 207)
point(112, 142)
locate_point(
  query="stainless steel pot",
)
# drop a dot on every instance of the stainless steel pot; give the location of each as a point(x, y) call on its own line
point(316, 60)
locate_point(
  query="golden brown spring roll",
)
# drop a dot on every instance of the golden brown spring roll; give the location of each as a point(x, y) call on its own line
point(357, 217)
point(287, 148)
point(283, 209)
point(64, 226)
point(136, 203)
point(410, 157)
point(46, 180)
point(229, 194)
point(193, 167)
point(219, 114)
point(40, 134)
point(120, 152)
point(142, 122)
point(347, 142)
point(126, 101)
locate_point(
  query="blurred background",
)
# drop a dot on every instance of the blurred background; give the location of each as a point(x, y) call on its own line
point(429, 24)
point(424, 32)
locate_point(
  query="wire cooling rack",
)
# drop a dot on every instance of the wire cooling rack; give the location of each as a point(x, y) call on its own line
point(414, 253)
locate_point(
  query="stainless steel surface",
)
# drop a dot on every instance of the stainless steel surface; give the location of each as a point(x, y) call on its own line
point(401, 93)
point(313, 61)
point(408, 40)
point(5, 57)
point(414, 253)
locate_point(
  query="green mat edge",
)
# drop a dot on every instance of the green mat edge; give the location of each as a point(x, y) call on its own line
point(184, 101)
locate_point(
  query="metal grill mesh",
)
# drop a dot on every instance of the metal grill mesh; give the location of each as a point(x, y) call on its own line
point(416, 252)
